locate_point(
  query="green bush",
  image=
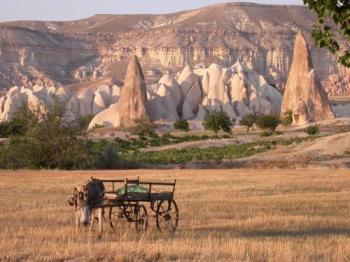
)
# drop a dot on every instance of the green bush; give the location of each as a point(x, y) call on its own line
point(107, 157)
point(248, 120)
point(278, 132)
point(216, 121)
point(182, 124)
point(312, 130)
point(84, 121)
point(287, 118)
point(48, 142)
point(266, 133)
point(144, 129)
point(268, 122)
point(18, 125)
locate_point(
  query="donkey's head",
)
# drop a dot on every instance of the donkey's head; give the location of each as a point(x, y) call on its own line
point(84, 197)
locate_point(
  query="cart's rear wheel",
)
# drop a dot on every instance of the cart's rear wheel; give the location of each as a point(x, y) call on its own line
point(141, 218)
point(154, 205)
point(167, 216)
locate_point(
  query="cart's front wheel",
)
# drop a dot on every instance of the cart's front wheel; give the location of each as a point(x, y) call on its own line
point(167, 216)
point(141, 218)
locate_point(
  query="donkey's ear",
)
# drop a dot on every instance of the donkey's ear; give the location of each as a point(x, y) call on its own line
point(71, 201)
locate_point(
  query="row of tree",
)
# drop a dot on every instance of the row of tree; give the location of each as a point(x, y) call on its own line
point(220, 121)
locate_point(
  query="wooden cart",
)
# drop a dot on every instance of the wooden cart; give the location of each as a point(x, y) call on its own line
point(132, 206)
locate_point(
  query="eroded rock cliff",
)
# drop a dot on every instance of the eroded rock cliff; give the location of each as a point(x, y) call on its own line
point(261, 36)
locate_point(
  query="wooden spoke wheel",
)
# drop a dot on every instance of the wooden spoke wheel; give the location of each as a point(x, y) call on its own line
point(154, 205)
point(141, 218)
point(120, 212)
point(167, 216)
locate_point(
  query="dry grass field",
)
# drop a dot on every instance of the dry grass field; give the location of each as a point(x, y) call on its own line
point(225, 215)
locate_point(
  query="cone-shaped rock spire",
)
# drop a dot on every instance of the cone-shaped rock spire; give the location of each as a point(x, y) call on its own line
point(133, 104)
point(304, 94)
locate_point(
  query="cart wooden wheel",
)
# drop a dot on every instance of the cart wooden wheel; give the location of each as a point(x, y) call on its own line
point(154, 205)
point(120, 212)
point(167, 216)
point(141, 218)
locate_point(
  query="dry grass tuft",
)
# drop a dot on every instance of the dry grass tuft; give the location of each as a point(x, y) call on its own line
point(228, 215)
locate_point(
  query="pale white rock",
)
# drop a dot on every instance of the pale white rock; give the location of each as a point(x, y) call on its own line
point(115, 94)
point(99, 102)
point(187, 79)
point(166, 105)
point(85, 102)
point(105, 92)
point(192, 101)
point(202, 112)
point(72, 110)
point(174, 89)
point(106, 118)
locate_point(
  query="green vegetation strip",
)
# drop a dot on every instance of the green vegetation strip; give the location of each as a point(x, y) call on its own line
point(180, 156)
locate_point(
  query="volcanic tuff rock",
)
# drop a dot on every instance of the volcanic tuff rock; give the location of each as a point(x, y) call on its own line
point(304, 94)
point(261, 35)
point(132, 105)
point(236, 90)
point(41, 98)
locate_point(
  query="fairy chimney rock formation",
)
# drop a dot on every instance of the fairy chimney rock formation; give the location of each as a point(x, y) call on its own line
point(133, 104)
point(304, 95)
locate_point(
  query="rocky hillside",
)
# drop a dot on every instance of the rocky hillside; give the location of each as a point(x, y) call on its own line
point(68, 52)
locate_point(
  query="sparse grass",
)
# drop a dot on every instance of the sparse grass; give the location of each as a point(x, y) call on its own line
point(225, 215)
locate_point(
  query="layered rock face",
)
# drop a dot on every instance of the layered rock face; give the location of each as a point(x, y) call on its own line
point(261, 35)
point(304, 94)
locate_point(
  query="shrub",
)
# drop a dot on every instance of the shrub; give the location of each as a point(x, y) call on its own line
point(266, 133)
point(312, 130)
point(107, 157)
point(182, 124)
point(48, 142)
point(287, 118)
point(268, 122)
point(248, 120)
point(216, 121)
point(144, 129)
point(278, 132)
point(97, 126)
point(84, 121)
point(18, 125)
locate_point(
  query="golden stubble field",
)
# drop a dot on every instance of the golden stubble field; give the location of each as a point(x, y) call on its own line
point(225, 215)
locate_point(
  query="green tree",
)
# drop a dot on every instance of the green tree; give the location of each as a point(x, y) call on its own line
point(216, 121)
point(268, 122)
point(182, 124)
point(248, 120)
point(325, 34)
point(107, 158)
point(48, 142)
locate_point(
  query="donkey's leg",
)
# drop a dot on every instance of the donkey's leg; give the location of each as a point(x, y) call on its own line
point(92, 220)
point(77, 221)
point(100, 218)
